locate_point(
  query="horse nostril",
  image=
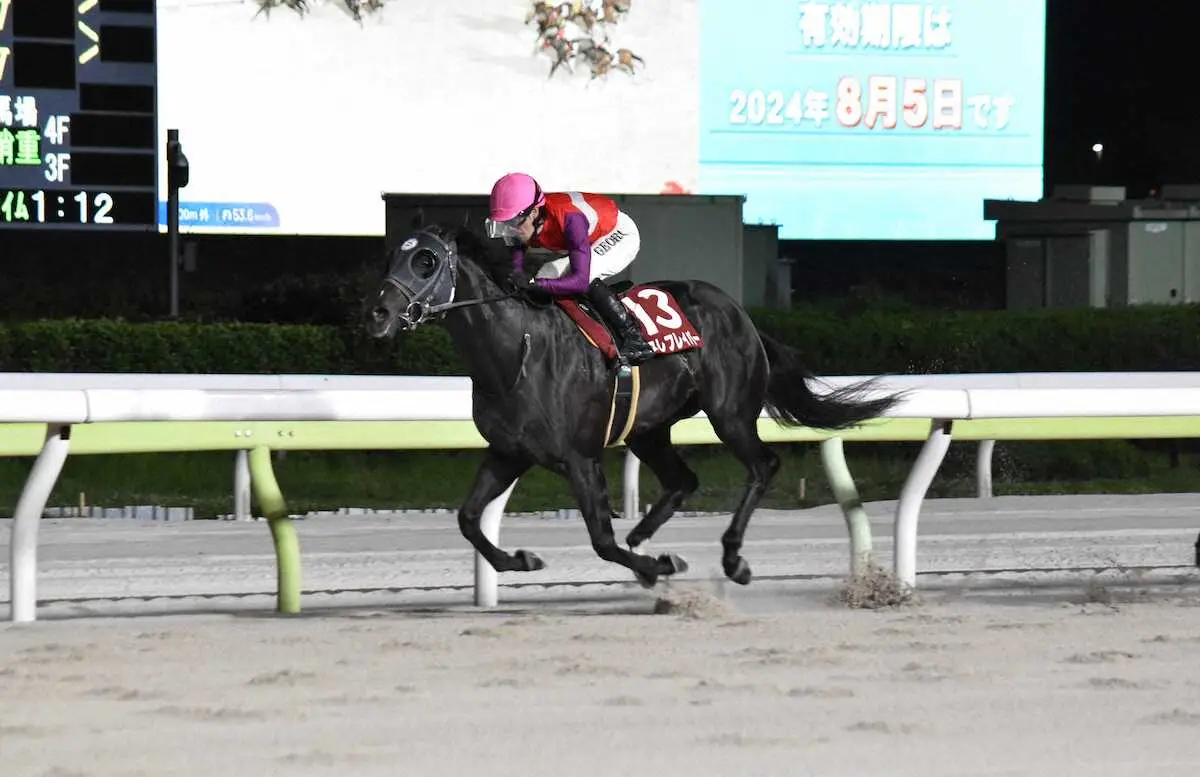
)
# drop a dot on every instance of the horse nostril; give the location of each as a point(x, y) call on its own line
point(380, 314)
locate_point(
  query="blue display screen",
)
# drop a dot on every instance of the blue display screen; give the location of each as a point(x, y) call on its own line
point(872, 120)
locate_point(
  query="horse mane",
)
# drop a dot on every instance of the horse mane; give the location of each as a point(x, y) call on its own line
point(491, 256)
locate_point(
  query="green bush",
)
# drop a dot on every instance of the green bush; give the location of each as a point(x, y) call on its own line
point(1126, 339)
point(871, 342)
point(116, 346)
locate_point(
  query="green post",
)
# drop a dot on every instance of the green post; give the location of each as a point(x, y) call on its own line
point(283, 533)
point(833, 456)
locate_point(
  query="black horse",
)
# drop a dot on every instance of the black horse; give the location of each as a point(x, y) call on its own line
point(542, 394)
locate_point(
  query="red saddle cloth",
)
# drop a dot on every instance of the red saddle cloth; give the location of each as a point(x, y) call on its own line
point(662, 321)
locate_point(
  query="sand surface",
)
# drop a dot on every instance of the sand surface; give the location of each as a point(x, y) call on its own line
point(1015, 679)
point(1007, 673)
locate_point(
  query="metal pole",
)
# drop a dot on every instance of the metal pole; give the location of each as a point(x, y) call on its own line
point(173, 220)
point(241, 486)
point(631, 490)
point(26, 519)
point(487, 581)
point(841, 482)
point(983, 469)
point(908, 508)
point(283, 532)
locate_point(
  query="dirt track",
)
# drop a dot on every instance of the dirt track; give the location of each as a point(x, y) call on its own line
point(1016, 673)
point(1009, 679)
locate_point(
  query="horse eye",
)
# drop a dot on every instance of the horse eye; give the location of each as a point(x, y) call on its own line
point(424, 263)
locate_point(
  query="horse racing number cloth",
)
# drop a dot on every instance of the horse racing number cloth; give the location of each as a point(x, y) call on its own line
point(664, 326)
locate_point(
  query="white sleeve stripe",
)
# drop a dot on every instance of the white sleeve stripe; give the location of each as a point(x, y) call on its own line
point(586, 209)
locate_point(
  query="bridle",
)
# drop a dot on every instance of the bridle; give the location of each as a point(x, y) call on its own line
point(423, 305)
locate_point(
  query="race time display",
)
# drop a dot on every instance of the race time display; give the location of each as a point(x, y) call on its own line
point(78, 134)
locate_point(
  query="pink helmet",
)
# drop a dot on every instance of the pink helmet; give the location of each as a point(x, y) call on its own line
point(514, 194)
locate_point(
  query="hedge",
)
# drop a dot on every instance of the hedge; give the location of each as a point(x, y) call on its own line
point(169, 347)
point(1127, 339)
point(1124, 339)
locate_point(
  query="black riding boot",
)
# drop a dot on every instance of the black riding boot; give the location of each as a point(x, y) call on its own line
point(632, 347)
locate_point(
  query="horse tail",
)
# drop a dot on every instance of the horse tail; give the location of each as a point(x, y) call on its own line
point(791, 401)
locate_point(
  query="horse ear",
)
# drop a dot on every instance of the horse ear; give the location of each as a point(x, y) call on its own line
point(466, 219)
point(418, 219)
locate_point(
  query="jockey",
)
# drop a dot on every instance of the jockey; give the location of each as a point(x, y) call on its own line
point(599, 241)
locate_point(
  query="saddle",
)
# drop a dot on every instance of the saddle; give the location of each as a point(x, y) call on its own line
point(665, 327)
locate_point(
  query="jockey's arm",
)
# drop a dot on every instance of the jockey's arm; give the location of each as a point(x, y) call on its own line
point(579, 250)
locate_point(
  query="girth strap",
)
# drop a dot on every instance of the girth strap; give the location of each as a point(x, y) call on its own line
point(627, 386)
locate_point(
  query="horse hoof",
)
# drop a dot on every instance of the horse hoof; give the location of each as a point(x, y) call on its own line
point(646, 581)
point(670, 564)
point(739, 572)
point(529, 561)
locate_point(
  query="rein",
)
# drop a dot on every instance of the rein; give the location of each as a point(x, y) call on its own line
point(427, 311)
point(435, 309)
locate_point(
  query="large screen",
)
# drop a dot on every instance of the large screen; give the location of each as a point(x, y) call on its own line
point(873, 120)
point(836, 120)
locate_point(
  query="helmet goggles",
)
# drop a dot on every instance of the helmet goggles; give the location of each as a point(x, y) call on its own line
point(511, 228)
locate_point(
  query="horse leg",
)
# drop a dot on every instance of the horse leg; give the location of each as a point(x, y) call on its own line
point(586, 477)
point(677, 480)
point(494, 476)
point(740, 434)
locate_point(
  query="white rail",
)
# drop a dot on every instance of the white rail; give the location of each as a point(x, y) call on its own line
point(63, 400)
